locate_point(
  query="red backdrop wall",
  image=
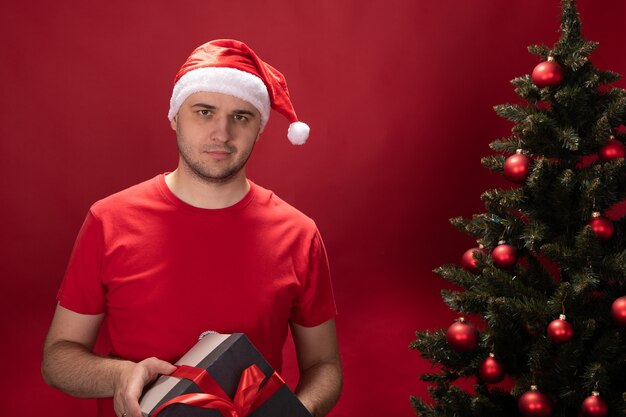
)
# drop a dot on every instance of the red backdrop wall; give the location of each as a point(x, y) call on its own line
point(399, 94)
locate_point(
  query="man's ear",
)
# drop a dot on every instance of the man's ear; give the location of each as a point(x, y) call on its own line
point(173, 123)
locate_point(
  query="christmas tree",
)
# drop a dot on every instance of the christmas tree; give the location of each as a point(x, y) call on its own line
point(542, 299)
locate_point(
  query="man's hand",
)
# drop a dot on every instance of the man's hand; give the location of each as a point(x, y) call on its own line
point(132, 379)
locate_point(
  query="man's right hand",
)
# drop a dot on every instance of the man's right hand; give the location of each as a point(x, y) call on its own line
point(133, 377)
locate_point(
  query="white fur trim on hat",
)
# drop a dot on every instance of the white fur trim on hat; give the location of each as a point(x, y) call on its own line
point(222, 80)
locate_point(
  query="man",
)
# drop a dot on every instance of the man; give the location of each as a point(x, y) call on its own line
point(200, 248)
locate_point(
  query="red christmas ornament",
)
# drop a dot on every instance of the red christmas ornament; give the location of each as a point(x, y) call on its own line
point(547, 73)
point(618, 311)
point(560, 331)
point(517, 167)
point(594, 406)
point(534, 403)
point(504, 256)
point(612, 149)
point(620, 129)
point(491, 370)
point(602, 227)
point(468, 262)
point(462, 337)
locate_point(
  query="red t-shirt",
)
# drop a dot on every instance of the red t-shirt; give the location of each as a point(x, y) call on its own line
point(164, 271)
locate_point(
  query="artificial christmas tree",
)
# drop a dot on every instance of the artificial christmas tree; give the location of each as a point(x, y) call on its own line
point(562, 256)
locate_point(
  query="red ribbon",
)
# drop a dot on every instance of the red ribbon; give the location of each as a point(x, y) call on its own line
point(249, 396)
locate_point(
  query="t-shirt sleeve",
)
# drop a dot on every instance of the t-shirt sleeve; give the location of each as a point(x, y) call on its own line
point(82, 290)
point(316, 302)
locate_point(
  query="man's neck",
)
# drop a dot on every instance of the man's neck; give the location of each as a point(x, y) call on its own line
point(204, 194)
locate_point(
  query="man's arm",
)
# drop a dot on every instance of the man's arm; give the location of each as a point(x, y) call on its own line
point(69, 365)
point(320, 380)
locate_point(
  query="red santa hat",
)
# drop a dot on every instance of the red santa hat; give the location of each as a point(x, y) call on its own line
point(230, 67)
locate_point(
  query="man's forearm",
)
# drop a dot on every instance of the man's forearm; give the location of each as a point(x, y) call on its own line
point(75, 370)
point(319, 387)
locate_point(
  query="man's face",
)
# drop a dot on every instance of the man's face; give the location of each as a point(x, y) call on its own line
point(216, 134)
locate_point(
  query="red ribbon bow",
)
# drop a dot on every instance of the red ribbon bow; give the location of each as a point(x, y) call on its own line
point(249, 396)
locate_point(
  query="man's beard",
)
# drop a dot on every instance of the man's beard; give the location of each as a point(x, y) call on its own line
point(214, 175)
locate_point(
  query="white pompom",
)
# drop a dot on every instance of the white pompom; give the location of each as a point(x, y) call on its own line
point(298, 133)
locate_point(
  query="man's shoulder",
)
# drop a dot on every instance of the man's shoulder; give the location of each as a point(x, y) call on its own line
point(135, 195)
point(281, 208)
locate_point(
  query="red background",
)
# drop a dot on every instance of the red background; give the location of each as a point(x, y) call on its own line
point(398, 93)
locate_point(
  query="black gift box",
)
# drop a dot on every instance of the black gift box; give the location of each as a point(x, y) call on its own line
point(224, 357)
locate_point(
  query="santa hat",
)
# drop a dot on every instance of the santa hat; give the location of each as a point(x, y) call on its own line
point(230, 67)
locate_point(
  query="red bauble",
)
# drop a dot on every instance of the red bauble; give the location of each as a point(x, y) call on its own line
point(547, 73)
point(594, 406)
point(462, 337)
point(491, 370)
point(517, 167)
point(468, 262)
point(534, 403)
point(504, 256)
point(560, 331)
point(612, 149)
point(618, 311)
point(602, 227)
point(620, 129)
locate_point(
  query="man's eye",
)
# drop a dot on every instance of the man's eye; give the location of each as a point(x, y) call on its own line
point(240, 117)
point(204, 112)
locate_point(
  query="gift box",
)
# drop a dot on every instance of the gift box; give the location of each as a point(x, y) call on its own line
point(223, 375)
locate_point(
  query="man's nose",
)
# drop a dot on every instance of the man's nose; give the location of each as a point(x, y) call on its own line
point(221, 129)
